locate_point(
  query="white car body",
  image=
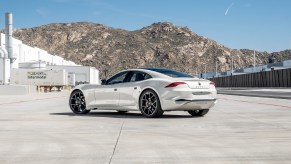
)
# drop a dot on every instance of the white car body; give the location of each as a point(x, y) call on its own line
point(191, 94)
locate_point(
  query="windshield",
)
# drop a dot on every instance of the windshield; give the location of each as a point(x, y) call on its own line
point(171, 73)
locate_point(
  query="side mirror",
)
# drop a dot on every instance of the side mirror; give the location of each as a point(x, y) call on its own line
point(103, 81)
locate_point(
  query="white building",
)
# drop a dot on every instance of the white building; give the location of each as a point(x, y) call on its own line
point(23, 53)
point(34, 58)
point(23, 67)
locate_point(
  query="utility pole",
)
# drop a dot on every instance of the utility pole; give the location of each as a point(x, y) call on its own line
point(254, 65)
point(205, 71)
point(231, 64)
point(216, 68)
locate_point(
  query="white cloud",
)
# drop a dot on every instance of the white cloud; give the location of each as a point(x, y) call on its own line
point(41, 12)
point(227, 10)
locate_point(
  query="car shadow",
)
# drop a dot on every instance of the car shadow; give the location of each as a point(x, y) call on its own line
point(129, 115)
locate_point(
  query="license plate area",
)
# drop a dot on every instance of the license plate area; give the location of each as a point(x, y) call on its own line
point(201, 93)
point(202, 102)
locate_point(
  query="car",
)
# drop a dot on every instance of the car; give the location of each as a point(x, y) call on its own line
point(152, 91)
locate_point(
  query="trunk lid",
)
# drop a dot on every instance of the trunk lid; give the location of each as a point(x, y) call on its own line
point(196, 83)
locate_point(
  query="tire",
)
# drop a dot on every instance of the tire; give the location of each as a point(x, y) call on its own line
point(149, 104)
point(121, 112)
point(198, 112)
point(77, 103)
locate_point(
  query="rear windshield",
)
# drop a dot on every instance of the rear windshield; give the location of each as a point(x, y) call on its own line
point(171, 73)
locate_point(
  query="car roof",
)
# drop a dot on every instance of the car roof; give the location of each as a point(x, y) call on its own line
point(157, 69)
point(150, 71)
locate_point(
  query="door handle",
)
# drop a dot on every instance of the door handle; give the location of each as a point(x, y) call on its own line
point(135, 88)
point(115, 89)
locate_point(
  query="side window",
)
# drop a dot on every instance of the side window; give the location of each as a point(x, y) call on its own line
point(132, 79)
point(139, 76)
point(147, 76)
point(119, 78)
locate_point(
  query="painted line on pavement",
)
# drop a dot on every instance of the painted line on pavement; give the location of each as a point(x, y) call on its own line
point(283, 106)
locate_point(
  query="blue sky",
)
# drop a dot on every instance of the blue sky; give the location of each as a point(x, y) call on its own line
point(263, 25)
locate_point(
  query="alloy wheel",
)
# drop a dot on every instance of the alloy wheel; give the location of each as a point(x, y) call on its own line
point(149, 104)
point(77, 103)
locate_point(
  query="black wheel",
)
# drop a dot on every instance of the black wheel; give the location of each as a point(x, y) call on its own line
point(149, 104)
point(122, 112)
point(198, 112)
point(77, 103)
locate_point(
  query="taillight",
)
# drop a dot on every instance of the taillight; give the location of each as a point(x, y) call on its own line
point(212, 83)
point(174, 84)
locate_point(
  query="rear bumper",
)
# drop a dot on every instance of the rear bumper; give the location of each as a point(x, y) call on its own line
point(184, 99)
point(185, 105)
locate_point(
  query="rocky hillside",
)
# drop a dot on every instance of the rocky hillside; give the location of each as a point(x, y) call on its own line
point(159, 45)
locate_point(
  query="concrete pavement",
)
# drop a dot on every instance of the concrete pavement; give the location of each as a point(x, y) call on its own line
point(42, 129)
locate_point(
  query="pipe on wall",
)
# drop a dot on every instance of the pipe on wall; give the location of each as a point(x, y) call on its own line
point(8, 35)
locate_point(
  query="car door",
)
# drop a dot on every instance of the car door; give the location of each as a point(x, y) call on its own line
point(126, 90)
point(129, 90)
point(108, 94)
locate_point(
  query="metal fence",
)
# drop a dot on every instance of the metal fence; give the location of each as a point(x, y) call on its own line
point(274, 78)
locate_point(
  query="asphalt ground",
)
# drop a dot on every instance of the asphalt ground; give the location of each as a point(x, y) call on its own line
point(281, 93)
point(41, 129)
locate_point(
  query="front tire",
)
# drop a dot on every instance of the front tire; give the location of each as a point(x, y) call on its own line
point(77, 103)
point(149, 104)
point(198, 113)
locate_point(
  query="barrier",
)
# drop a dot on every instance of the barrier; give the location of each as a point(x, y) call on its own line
point(274, 78)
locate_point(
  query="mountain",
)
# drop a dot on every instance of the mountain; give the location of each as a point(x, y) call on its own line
point(158, 45)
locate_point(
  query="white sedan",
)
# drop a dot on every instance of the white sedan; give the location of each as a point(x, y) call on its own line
point(149, 90)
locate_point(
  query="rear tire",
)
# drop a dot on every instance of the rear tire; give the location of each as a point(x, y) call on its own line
point(198, 113)
point(77, 103)
point(149, 104)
